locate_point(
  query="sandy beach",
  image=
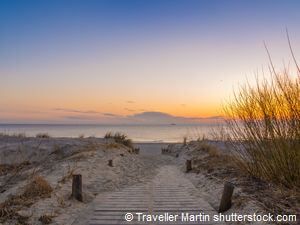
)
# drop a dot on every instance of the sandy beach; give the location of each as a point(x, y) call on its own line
point(57, 159)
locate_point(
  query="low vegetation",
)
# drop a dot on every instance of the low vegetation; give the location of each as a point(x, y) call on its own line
point(16, 135)
point(36, 189)
point(204, 146)
point(113, 145)
point(119, 138)
point(263, 124)
point(216, 165)
point(46, 219)
point(43, 135)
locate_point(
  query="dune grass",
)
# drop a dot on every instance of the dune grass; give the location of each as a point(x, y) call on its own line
point(37, 188)
point(205, 146)
point(15, 135)
point(42, 135)
point(263, 124)
point(119, 138)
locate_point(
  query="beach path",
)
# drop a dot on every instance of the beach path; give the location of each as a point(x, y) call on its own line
point(168, 194)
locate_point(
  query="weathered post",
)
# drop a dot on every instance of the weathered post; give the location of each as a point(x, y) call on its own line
point(188, 165)
point(184, 141)
point(137, 150)
point(225, 203)
point(110, 163)
point(77, 187)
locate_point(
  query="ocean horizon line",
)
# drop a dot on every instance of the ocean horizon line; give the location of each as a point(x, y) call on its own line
point(108, 124)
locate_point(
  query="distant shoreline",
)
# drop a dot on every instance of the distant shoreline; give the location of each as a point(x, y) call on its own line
point(102, 124)
point(138, 133)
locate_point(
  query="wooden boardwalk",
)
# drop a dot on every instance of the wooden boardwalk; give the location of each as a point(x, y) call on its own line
point(168, 194)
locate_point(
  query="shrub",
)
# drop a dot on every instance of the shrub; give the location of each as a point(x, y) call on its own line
point(108, 135)
point(38, 187)
point(46, 219)
point(263, 124)
point(119, 138)
point(112, 145)
point(204, 146)
point(42, 135)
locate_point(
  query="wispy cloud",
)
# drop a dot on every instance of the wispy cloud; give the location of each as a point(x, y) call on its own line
point(78, 118)
point(130, 102)
point(111, 115)
point(153, 117)
point(130, 110)
point(76, 111)
point(87, 112)
point(136, 117)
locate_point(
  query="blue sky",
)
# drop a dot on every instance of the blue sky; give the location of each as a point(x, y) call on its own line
point(177, 57)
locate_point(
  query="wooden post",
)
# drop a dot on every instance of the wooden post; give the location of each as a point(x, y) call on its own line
point(184, 141)
point(188, 165)
point(77, 187)
point(110, 163)
point(225, 203)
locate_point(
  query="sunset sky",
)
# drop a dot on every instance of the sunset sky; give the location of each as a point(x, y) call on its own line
point(108, 61)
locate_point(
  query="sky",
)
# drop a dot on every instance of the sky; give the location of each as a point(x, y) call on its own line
point(93, 61)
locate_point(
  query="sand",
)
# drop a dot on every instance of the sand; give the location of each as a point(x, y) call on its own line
point(57, 159)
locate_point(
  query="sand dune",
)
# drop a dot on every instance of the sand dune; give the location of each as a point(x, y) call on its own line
point(57, 159)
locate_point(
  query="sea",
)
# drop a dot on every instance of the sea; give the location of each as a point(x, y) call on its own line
point(138, 133)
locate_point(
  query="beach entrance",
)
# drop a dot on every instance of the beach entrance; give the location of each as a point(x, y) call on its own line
point(168, 198)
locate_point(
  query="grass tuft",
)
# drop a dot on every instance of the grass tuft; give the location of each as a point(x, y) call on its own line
point(46, 219)
point(38, 187)
point(204, 146)
point(119, 138)
point(15, 135)
point(42, 135)
point(263, 123)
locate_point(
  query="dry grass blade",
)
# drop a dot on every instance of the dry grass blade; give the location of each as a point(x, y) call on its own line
point(119, 138)
point(263, 124)
point(38, 187)
point(46, 219)
point(43, 135)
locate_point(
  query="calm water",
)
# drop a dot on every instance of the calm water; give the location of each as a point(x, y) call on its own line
point(139, 133)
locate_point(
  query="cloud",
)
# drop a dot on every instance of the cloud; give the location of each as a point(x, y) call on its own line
point(143, 117)
point(110, 114)
point(78, 118)
point(130, 102)
point(153, 117)
point(130, 110)
point(76, 111)
point(85, 112)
